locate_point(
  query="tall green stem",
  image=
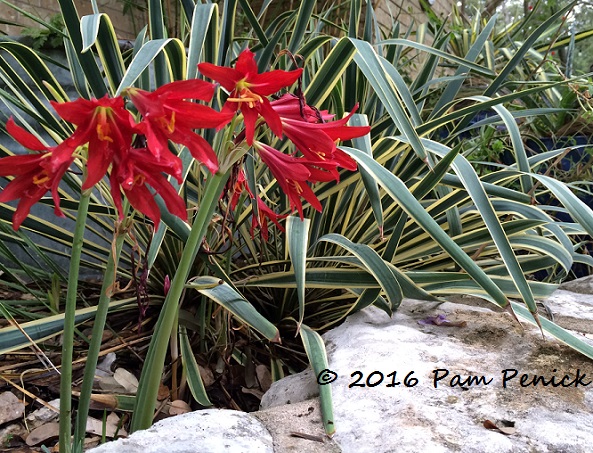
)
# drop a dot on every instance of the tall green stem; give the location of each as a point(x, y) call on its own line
point(152, 370)
point(96, 338)
point(69, 324)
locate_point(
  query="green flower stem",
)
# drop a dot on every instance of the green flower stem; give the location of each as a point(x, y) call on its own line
point(152, 370)
point(97, 336)
point(69, 326)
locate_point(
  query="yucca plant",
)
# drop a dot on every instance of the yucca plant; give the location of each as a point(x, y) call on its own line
point(414, 220)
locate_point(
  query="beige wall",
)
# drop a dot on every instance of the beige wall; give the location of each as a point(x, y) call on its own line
point(45, 9)
point(124, 26)
point(408, 11)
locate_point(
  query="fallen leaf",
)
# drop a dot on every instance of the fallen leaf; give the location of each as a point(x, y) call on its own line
point(504, 426)
point(264, 377)
point(126, 379)
point(163, 392)
point(206, 375)
point(43, 433)
point(110, 385)
point(113, 419)
point(255, 392)
point(179, 407)
point(11, 407)
point(441, 320)
point(95, 426)
point(490, 425)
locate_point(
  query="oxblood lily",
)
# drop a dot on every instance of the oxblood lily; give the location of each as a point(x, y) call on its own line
point(34, 174)
point(316, 139)
point(236, 188)
point(166, 115)
point(292, 174)
point(104, 124)
point(249, 90)
point(136, 169)
point(263, 214)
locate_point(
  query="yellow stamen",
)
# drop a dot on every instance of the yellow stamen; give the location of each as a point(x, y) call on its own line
point(103, 131)
point(41, 178)
point(248, 96)
point(169, 125)
point(296, 185)
point(139, 180)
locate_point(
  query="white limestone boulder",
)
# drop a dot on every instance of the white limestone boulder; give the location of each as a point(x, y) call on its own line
point(450, 414)
point(205, 431)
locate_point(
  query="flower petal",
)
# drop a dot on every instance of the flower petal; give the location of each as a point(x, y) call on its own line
point(24, 137)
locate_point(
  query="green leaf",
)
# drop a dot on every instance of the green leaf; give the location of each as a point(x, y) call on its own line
point(223, 294)
point(302, 22)
point(315, 349)
point(374, 264)
point(97, 29)
point(556, 331)
point(297, 239)
point(146, 55)
point(400, 193)
point(192, 371)
point(12, 339)
point(204, 17)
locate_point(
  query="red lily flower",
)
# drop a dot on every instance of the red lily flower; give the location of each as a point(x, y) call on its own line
point(104, 124)
point(132, 173)
point(261, 220)
point(292, 174)
point(166, 115)
point(236, 188)
point(34, 174)
point(314, 138)
point(249, 90)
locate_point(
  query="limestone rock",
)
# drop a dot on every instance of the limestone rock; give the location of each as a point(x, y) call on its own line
point(389, 395)
point(297, 428)
point(11, 407)
point(205, 431)
point(583, 285)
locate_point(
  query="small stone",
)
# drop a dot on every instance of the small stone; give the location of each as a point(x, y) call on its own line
point(44, 414)
point(11, 407)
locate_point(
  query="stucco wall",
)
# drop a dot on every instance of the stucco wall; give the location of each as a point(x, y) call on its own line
point(45, 9)
point(407, 12)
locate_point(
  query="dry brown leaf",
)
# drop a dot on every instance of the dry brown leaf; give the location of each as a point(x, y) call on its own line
point(127, 380)
point(490, 425)
point(110, 385)
point(206, 375)
point(43, 433)
point(100, 401)
point(95, 426)
point(506, 427)
point(255, 392)
point(508, 430)
point(113, 419)
point(264, 377)
point(179, 407)
point(163, 392)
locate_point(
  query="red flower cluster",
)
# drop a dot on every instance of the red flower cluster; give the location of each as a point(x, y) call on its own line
point(288, 116)
point(136, 156)
point(104, 136)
